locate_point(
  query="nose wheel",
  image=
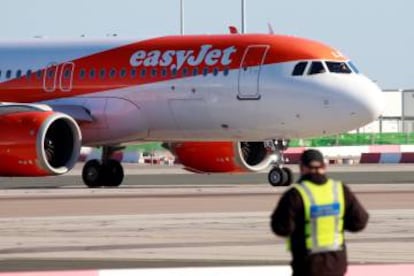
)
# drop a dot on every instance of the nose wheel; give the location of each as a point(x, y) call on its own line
point(279, 175)
point(105, 173)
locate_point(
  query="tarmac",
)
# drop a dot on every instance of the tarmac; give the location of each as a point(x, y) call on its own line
point(143, 175)
point(166, 217)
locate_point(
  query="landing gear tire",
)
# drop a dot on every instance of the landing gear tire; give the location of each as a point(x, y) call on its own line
point(92, 174)
point(277, 177)
point(289, 175)
point(114, 173)
point(108, 174)
point(280, 177)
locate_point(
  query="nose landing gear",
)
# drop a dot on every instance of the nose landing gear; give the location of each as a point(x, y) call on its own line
point(279, 175)
point(103, 173)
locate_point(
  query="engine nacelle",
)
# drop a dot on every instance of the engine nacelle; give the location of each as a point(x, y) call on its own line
point(221, 157)
point(38, 143)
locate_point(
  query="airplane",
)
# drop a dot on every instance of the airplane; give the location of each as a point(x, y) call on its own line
point(223, 103)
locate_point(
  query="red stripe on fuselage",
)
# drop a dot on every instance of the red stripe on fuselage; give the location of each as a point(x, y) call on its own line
point(162, 55)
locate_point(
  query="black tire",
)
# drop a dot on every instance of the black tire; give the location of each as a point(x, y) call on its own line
point(289, 174)
point(113, 173)
point(277, 177)
point(92, 174)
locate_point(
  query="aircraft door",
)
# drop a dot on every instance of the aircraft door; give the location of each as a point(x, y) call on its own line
point(66, 76)
point(249, 73)
point(50, 77)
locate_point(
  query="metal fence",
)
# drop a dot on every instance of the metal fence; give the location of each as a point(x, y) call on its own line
point(354, 139)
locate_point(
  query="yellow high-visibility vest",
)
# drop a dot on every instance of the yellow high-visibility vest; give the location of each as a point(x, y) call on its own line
point(324, 207)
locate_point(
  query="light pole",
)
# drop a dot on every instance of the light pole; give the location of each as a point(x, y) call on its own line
point(243, 16)
point(181, 17)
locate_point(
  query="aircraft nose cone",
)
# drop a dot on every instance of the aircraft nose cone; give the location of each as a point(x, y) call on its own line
point(372, 101)
point(360, 101)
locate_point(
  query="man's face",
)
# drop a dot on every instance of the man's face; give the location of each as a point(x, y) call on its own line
point(315, 167)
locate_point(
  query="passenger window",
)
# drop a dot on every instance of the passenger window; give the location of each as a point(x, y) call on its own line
point(215, 71)
point(92, 73)
point(8, 74)
point(122, 73)
point(316, 68)
point(133, 73)
point(154, 72)
point(82, 74)
point(102, 74)
point(185, 72)
point(205, 71)
point(29, 74)
point(18, 73)
point(195, 72)
point(174, 72)
point(50, 74)
point(0, 73)
point(143, 73)
point(66, 74)
point(226, 72)
point(299, 68)
point(338, 67)
point(39, 74)
point(112, 73)
point(164, 72)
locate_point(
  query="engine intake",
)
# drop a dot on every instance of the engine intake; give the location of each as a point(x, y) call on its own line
point(38, 143)
point(59, 143)
point(254, 156)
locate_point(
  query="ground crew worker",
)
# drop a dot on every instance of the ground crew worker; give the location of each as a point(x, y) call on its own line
point(313, 216)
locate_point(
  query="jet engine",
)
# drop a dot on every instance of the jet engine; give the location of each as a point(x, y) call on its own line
point(223, 157)
point(37, 143)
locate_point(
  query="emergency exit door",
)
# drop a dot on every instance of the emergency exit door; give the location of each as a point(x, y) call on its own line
point(50, 77)
point(66, 76)
point(249, 73)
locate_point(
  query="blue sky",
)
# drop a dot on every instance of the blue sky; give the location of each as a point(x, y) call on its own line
point(377, 35)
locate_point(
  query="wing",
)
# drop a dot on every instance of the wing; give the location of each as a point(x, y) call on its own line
point(77, 112)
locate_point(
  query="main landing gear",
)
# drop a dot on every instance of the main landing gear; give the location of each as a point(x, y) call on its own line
point(106, 172)
point(279, 175)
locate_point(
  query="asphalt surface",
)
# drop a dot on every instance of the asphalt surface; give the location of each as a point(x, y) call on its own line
point(51, 264)
point(144, 175)
point(176, 200)
point(166, 217)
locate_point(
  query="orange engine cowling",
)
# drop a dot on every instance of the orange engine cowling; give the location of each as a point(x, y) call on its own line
point(38, 143)
point(221, 157)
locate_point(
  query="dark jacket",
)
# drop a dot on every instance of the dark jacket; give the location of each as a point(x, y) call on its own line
point(288, 221)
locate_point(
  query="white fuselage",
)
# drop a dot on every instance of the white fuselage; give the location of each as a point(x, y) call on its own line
point(259, 103)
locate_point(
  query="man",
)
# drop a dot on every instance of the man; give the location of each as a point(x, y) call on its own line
point(313, 215)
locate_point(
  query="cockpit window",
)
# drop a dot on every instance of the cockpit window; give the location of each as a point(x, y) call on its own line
point(354, 68)
point(299, 68)
point(338, 67)
point(316, 68)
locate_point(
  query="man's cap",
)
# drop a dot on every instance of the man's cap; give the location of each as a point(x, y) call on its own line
point(312, 158)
